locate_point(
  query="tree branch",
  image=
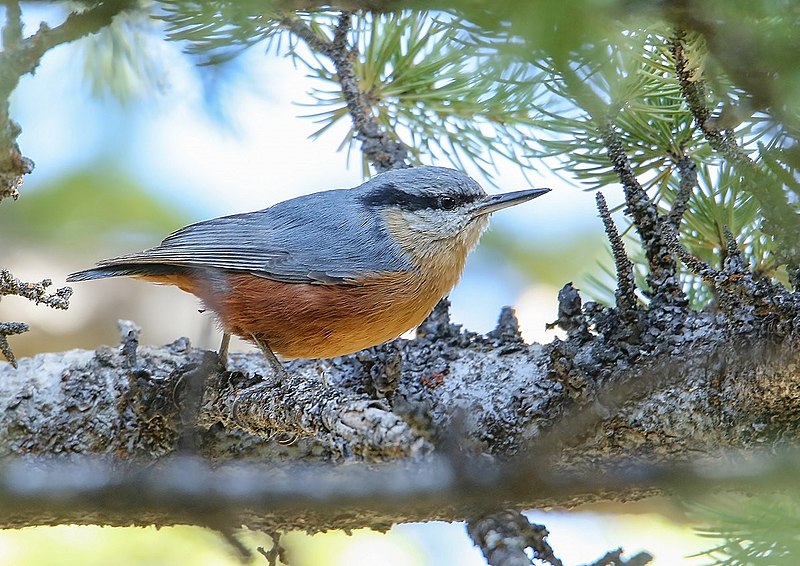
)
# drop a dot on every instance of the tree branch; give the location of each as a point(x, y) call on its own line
point(504, 537)
point(662, 279)
point(781, 219)
point(626, 286)
point(25, 55)
point(20, 57)
point(687, 172)
point(36, 292)
point(380, 147)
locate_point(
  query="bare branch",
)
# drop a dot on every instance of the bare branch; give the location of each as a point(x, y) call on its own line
point(36, 292)
point(9, 329)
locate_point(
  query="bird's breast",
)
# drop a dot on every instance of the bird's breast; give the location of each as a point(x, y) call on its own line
point(300, 320)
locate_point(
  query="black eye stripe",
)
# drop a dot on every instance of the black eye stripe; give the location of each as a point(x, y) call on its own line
point(390, 195)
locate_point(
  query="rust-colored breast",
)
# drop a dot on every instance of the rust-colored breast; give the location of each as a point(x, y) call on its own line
point(301, 320)
point(321, 321)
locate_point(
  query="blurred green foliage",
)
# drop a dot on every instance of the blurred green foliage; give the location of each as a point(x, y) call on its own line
point(95, 207)
point(752, 530)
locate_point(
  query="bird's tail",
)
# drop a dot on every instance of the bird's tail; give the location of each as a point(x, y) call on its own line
point(123, 270)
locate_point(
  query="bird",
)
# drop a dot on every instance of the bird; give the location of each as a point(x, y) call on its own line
point(332, 272)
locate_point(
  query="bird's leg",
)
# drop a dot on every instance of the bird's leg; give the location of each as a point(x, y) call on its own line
point(222, 354)
point(285, 438)
point(277, 367)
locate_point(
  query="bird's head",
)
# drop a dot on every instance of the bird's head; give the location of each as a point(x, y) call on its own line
point(436, 210)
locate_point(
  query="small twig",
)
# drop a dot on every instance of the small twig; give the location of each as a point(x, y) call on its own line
point(12, 31)
point(277, 552)
point(36, 292)
point(8, 329)
point(734, 260)
point(626, 284)
point(380, 147)
point(304, 32)
point(504, 537)
point(662, 278)
point(695, 265)
point(687, 172)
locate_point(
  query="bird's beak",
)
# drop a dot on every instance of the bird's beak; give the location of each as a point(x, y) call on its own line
point(493, 203)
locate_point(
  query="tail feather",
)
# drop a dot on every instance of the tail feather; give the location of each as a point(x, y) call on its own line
point(125, 270)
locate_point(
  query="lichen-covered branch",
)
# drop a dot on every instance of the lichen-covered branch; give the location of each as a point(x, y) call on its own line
point(24, 55)
point(662, 278)
point(9, 329)
point(614, 558)
point(687, 172)
point(297, 405)
point(36, 292)
point(625, 292)
point(782, 221)
point(20, 56)
point(504, 538)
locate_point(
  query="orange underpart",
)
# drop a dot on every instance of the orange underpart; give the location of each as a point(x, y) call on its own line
point(301, 320)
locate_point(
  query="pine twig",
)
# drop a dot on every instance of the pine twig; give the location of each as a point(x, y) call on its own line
point(687, 172)
point(626, 285)
point(663, 279)
point(693, 264)
point(380, 147)
point(734, 260)
point(782, 220)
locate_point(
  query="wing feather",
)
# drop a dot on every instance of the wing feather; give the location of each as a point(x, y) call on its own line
point(326, 237)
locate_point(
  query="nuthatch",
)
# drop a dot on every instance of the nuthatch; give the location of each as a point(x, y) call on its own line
point(332, 272)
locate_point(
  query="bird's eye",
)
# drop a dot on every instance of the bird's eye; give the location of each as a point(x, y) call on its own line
point(447, 203)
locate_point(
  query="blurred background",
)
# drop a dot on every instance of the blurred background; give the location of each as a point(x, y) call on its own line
point(128, 149)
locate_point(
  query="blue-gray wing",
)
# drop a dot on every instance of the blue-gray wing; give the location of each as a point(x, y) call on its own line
point(321, 238)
